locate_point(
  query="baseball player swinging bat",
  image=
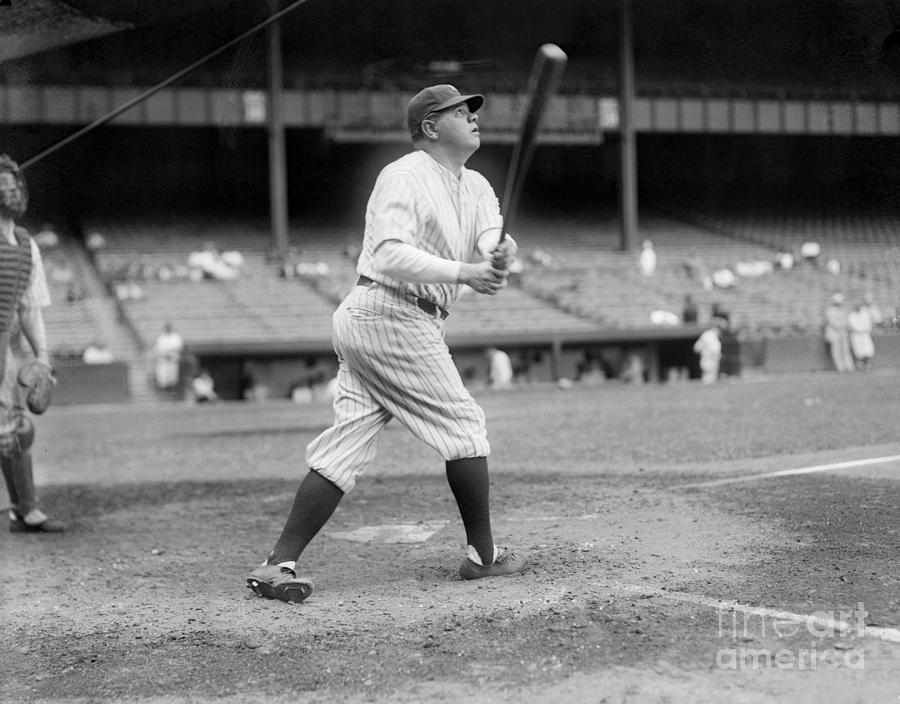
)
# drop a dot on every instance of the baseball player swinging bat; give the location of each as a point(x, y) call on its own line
point(549, 64)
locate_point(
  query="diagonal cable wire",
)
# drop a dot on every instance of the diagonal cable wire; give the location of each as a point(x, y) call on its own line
point(112, 114)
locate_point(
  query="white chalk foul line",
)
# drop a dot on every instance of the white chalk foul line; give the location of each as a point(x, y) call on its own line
point(823, 624)
point(850, 464)
point(540, 519)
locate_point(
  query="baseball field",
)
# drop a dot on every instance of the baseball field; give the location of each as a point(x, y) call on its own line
point(731, 543)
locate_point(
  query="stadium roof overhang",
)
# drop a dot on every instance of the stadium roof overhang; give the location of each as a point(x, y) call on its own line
point(32, 26)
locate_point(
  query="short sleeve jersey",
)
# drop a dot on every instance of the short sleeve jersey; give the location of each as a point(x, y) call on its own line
point(418, 201)
point(37, 293)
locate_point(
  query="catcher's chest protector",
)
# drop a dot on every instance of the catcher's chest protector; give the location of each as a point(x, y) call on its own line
point(15, 270)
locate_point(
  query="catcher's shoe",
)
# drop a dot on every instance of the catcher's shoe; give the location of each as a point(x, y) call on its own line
point(17, 525)
point(279, 582)
point(505, 563)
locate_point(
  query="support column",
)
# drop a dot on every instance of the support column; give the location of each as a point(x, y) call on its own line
point(556, 359)
point(278, 207)
point(627, 157)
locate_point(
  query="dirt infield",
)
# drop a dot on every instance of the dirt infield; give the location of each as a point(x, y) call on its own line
point(630, 596)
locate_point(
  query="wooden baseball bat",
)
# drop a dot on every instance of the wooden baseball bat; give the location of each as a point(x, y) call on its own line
point(549, 64)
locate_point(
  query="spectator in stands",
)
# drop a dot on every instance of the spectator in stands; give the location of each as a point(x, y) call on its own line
point(647, 258)
point(203, 388)
point(634, 368)
point(689, 312)
point(516, 269)
point(313, 269)
point(166, 272)
point(837, 334)
point(167, 351)
point(200, 259)
point(784, 260)
point(233, 259)
point(539, 257)
point(709, 348)
point(213, 264)
point(306, 385)
point(590, 370)
point(301, 393)
point(860, 324)
point(753, 269)
point(811, 251)
point(46, 237)
point(664, 318)
point(94, 241)
point(252, 386)
point(129, 291)
point(873, 310)
point(500, 371)
point(97, 353)
point(696, 269)
point(724, 278)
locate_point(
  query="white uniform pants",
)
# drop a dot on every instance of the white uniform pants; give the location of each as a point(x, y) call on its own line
point(393, 363)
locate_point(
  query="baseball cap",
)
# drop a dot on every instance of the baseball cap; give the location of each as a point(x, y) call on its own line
point(435, 99)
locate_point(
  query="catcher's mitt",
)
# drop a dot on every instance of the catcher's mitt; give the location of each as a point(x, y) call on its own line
point(39, 379)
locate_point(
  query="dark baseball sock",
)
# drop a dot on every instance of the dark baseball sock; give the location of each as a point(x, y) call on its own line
point(469, 481)
point(316, 500)
point(7, 468)
point(17, 471)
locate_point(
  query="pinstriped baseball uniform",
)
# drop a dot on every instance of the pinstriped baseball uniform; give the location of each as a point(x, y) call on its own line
point(393, 361)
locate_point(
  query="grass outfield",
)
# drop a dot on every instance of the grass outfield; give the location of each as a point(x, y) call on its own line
point(633, 554)
point(532, 428)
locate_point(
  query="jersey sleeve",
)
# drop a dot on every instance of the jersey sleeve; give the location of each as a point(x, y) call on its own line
point(395, 210)
point(404, 262)
point(37, 294)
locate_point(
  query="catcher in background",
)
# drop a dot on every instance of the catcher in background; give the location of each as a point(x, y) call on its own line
point(27, 378)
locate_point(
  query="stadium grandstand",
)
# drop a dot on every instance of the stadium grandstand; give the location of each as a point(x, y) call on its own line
point(759, 127)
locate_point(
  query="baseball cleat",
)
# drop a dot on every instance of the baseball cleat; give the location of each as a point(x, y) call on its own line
point(17, 525)
point(279, 582)
point(505, 563)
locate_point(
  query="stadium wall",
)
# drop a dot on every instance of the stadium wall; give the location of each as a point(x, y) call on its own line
point(79, 383)
point(810, 354)
point(543, 360)
point(535, 361)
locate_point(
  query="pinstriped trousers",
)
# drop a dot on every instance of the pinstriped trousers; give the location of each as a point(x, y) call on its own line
point(393, 363)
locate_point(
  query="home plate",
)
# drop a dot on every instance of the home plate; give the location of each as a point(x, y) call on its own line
point(396, 533)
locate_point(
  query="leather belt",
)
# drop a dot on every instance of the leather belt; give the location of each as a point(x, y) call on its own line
point(428, 306)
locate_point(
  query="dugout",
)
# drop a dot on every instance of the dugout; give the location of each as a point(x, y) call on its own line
point(535, 360)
